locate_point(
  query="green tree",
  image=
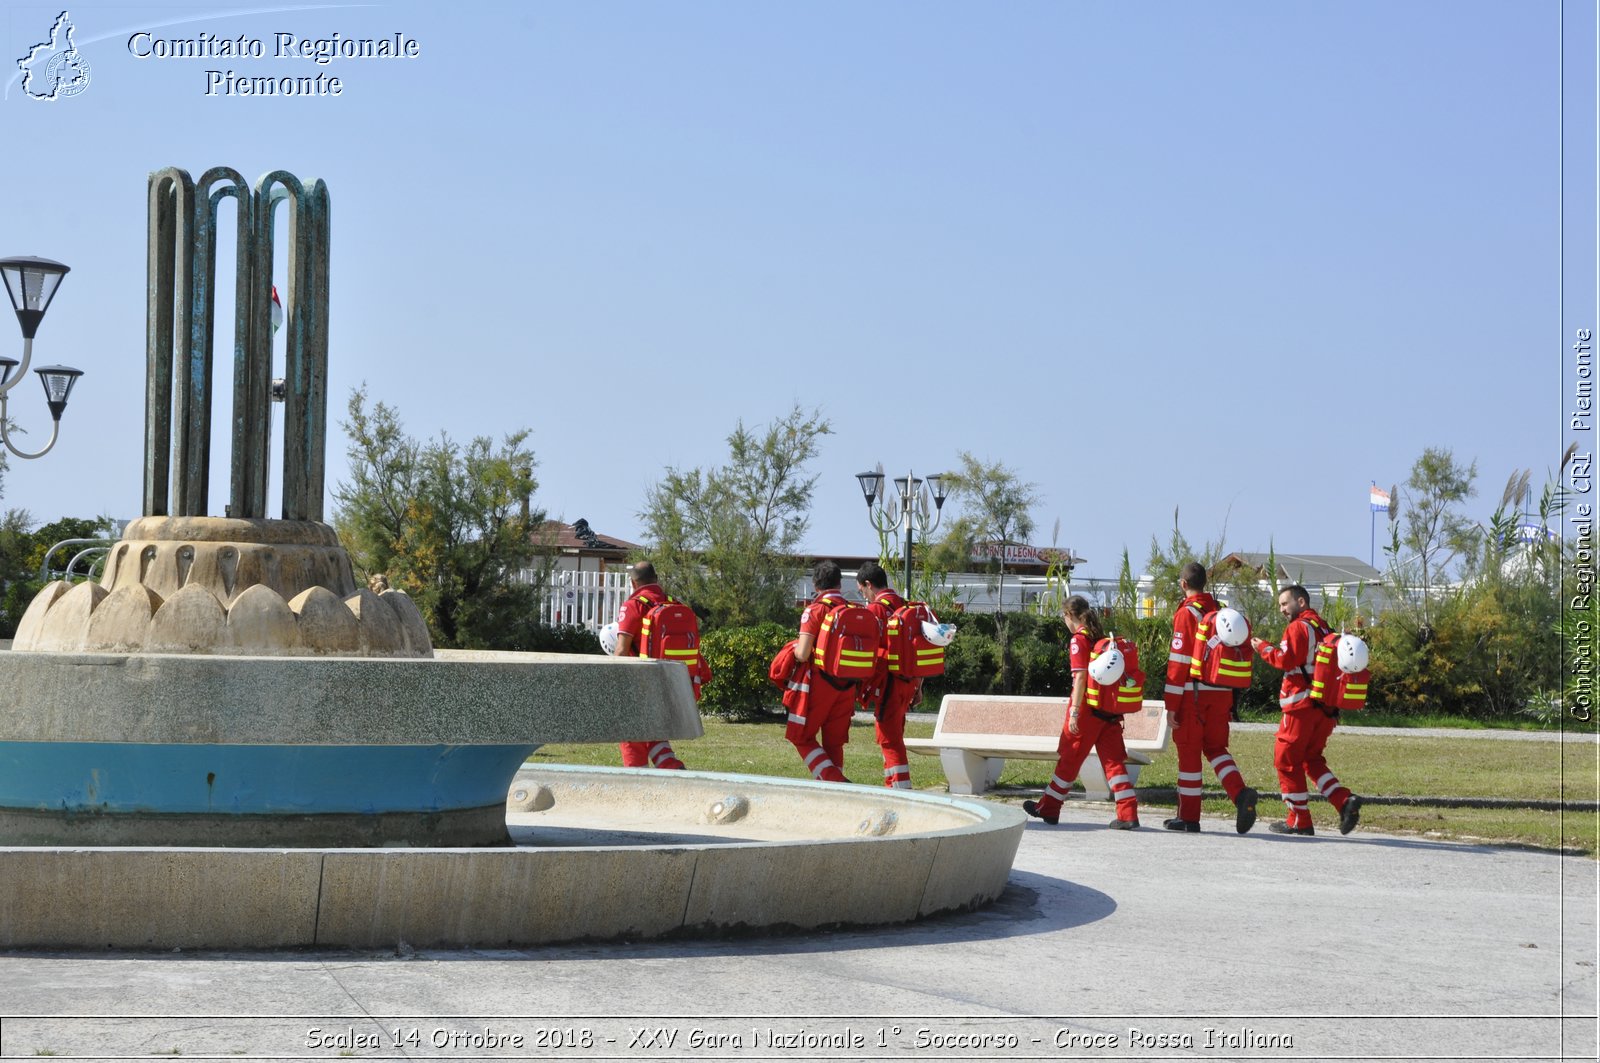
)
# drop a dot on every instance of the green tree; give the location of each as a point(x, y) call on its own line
point(451, 525)
point(1166, 562)
point(724, 538)
point(22, 552)
point(1484, 646)
point(1435, 531)
point(995, 507)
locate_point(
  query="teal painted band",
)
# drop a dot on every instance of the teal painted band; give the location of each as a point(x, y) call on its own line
point(249, 779)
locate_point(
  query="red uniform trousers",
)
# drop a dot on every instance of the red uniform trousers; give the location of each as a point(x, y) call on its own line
point(824, 710)
point(1073, 750)
point(891, 729)
point(643, 754)
point(1302, 736)
point(1200, 728)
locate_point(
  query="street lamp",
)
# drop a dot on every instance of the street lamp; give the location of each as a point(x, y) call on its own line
point(909, 510)
point(32, 284)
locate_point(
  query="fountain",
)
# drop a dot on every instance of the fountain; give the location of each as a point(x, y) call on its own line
point(227, 742)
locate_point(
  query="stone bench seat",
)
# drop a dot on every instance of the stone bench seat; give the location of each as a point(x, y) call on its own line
point(977, 733)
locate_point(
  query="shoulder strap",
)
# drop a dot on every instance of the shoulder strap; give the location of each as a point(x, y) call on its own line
point(1314, 637)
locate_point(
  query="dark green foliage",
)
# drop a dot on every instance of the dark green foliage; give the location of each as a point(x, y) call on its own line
point(558, 638)
point(22, 552)
point(1486, 646)
point(995, 507)
point(450, 525)
point(1037, 657)
point(739, 689)
point(971, 662)
point(725, 538)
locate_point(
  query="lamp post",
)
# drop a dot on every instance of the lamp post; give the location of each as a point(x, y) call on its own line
point(909, 510)
point(32, 284)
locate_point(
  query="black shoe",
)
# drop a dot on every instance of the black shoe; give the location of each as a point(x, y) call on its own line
point(1284, 828)
point(1182, 825)
point(1245, 818)
point(1032, 809)
point(1350, 815)
point(1123, 824)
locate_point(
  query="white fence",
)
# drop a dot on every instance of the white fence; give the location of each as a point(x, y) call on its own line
point(592, 599)
point(589, 599)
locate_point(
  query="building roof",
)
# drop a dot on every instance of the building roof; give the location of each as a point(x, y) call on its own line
point(579, 538)
point(1312, 570)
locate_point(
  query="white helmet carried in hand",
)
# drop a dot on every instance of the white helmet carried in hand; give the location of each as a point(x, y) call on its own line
point(608, 639)
point(1107, 668)
point(938, 634)
point(1352, 654)
point(1232, 628)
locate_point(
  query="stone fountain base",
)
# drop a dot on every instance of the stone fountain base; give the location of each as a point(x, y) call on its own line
point(609, 854)
point(207, 749)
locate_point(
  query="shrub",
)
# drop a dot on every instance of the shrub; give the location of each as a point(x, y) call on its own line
point(559, 638)
point(739, 656)
point(971, 663)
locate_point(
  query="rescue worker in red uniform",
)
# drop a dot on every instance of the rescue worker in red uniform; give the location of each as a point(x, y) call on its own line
point(1307, 723)
point(891, 695)
point(826, 704)
point(1087, 728)
point(647, 594)
point(1200, 714)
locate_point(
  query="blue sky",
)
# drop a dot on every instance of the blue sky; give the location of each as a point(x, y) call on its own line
point(1148, 254)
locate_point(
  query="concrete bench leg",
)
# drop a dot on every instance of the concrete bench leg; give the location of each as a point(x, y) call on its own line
point(1093, 778)
point(969, 773)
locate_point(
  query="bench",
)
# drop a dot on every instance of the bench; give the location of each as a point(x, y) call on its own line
point(977, 733)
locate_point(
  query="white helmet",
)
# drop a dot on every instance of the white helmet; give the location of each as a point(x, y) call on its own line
point(1232, 628)
point(608, 639)
point(938, 634)
point(1352, 654)
point(1107, 668)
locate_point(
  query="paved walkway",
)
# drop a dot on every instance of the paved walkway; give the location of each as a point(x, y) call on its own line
point(1153, 943)
point(1487, 733)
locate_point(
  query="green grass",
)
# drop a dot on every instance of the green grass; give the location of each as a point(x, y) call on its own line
point(1387, 765)
point(1372, 718)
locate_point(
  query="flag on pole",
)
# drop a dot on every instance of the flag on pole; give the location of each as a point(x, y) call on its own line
point(277, 311)
point(1379, 499)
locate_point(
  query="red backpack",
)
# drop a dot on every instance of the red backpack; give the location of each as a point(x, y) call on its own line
point(847, 644)
point(1332, 685)
point(910, 654)
point(1128, 695)
point(1216, 663)
point(671, 632)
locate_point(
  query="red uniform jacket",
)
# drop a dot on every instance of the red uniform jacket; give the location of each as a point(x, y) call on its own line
point(1185, 646)
point(1297, 656)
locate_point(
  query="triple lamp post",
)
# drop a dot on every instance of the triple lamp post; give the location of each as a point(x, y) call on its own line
point(909, 510)
point(32, 283)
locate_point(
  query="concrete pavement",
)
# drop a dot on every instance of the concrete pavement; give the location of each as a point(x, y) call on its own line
point(1138, 945)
